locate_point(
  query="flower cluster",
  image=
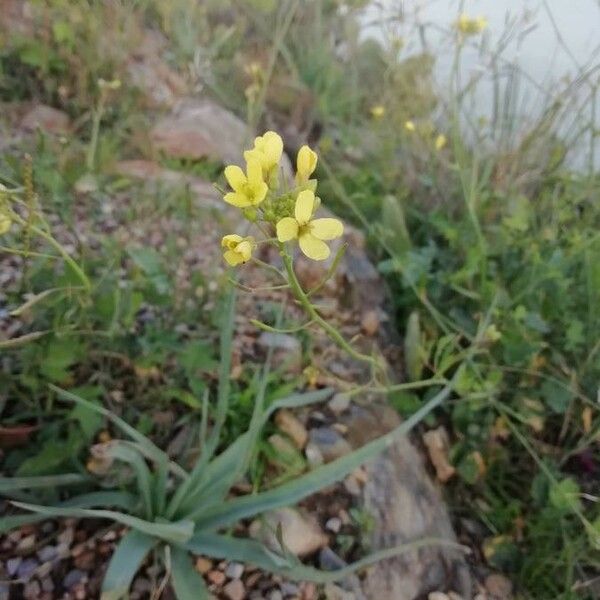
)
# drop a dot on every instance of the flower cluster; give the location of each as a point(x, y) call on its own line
point(268, 200)
point(471, 25)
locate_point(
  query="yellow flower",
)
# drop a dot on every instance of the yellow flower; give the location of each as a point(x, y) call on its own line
point(440, 141)
point(378, 111)
point(248, 190)
point(409, 125)
point(268, 149)
point(306, 163)
point(310, 233)
point(5, 223)
point(471, 26)
point(238, 249)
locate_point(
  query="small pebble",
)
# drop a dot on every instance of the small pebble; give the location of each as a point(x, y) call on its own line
point(275, 595)
point(47, 553)
point(216, 577)
point(234, 570)
point(437, 596)
point(32, 590)
point(313, 455)
point(12, 565)
point(235, 590)
point(339, 403)
point(334, 524)
point(289, 589)
point(26, 568)
point(203, 565)
point(73, 577)
point(329, 560)
point(26, 544)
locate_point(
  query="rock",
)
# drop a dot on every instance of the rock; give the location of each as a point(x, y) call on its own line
point(289, 589)
point(154, 174)
point(407, 507)
point(85, 561)
point(329, 442)
point(334, 524)
point(330, 561)
point(147, 71)
point(73, 577)
point(26, 568)
point(234, 570)
point(32, 590)
point(287, 422)
point(499, 586)
point(437, 596)
point(26, 544)
point(276, 595)
point(201, 129)
point(235, 590)
point(287, 350)
point(313, 455)
point(334, 592)
point(370, 322)
point(47, 553)
point(216, 577)
point(203, 565)
point(12, 565)
point(301, 533)
point(46, 118)
point(339, 403)
point(438, 446)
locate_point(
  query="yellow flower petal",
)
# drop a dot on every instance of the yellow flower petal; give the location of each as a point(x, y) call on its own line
point(5, 224)
point(326, 229)
point(306, 162)
point(409, 125)
point(233, 258)
point(305, 204)
point(230, 241)
point(440, 141)
point(235, 177)
point(313, 248)
point(239, 200)
point(259, 192)
point(287, 229)
point(273, 147)
point(244, 249)
point(254, 170)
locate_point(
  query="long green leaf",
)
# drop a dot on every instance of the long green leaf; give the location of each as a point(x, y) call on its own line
point(125, 563)
point(187, 582)
point(121, 500)
point(177, 532)
point(227, 513)
point(128, 453)
point(255, 553)
point(222, 472)
point(11, 484)
point(149, 449)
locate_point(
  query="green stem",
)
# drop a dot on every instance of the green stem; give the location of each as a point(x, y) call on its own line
point(331, 331)
point(65, 255)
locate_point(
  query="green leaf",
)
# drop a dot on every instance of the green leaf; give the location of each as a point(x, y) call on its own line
point(564, 495)
point(60, 355)
point(187, 582)
point(89, 420)
point(149, 449)
point(413, 348)
point(117, 499)
point(557, 396)
point(13, 484)
point(125, 563)
point(177, 532)
point(253, 552)
point(227, 513)
point(53, 454)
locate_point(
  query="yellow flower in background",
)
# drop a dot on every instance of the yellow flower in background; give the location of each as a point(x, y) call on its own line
point(440, 141)
point(267, 150)
point(410, 125)
point(471, 25)
point(248, 189)
point(238, 249)
point(5, 223)
point(377, 111)
point(306, 163)
point(310, 233)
